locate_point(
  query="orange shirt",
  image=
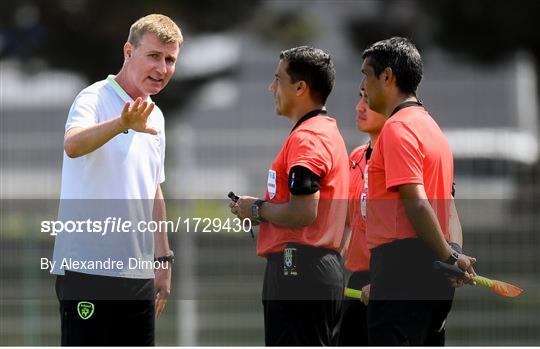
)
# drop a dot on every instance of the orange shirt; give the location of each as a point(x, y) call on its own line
point(411, 148)
point(317, 145)
point(357, 257)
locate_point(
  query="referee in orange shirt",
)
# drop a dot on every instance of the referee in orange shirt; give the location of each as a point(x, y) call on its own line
point(409, 203)
point(353, 326)
point(303, 214)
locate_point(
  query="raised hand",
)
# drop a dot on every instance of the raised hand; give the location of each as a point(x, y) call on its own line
point(136, 117)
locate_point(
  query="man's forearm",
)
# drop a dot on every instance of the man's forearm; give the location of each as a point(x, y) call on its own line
point(292, 214)
point(161, 243)
point(454, 225)
point(161, 240)
point(426, 225)
point(82, 141)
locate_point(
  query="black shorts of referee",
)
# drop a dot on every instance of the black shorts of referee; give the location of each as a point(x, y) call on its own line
point(105, 311)
point(302, 297)
point(353, 322)
point(409, 300)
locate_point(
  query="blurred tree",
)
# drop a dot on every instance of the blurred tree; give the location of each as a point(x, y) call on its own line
point(288, 29)
point(87, 36)
point(484, 30)
point(391, 18)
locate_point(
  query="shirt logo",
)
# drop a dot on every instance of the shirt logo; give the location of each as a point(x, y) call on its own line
point(85, 310)
point(271, 184)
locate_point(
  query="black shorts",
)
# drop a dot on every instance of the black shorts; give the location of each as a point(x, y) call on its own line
point(105, 311)
point(409, 300)
point(302, 308)
point(353, 323)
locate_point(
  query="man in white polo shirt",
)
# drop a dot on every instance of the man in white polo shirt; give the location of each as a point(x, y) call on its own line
point(112, 173)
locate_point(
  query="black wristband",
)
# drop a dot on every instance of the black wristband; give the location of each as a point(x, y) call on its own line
point(455, 246)
point(168, 258)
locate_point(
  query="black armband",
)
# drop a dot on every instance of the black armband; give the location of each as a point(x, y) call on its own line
point(453, 189)
point(456, 247)
point(302, 181)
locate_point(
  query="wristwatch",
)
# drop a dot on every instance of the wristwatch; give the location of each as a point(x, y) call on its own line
point(168, 258)
point(256, 210)
point(455, 246)
point(453, 258)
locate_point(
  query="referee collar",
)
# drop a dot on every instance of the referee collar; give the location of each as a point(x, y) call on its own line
point(406, 105)
point(310, 115)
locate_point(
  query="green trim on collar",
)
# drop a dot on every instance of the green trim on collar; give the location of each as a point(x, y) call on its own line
point(123, 94)
point(119, 89)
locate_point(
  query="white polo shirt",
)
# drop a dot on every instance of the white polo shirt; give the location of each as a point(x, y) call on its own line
point(118, 180)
